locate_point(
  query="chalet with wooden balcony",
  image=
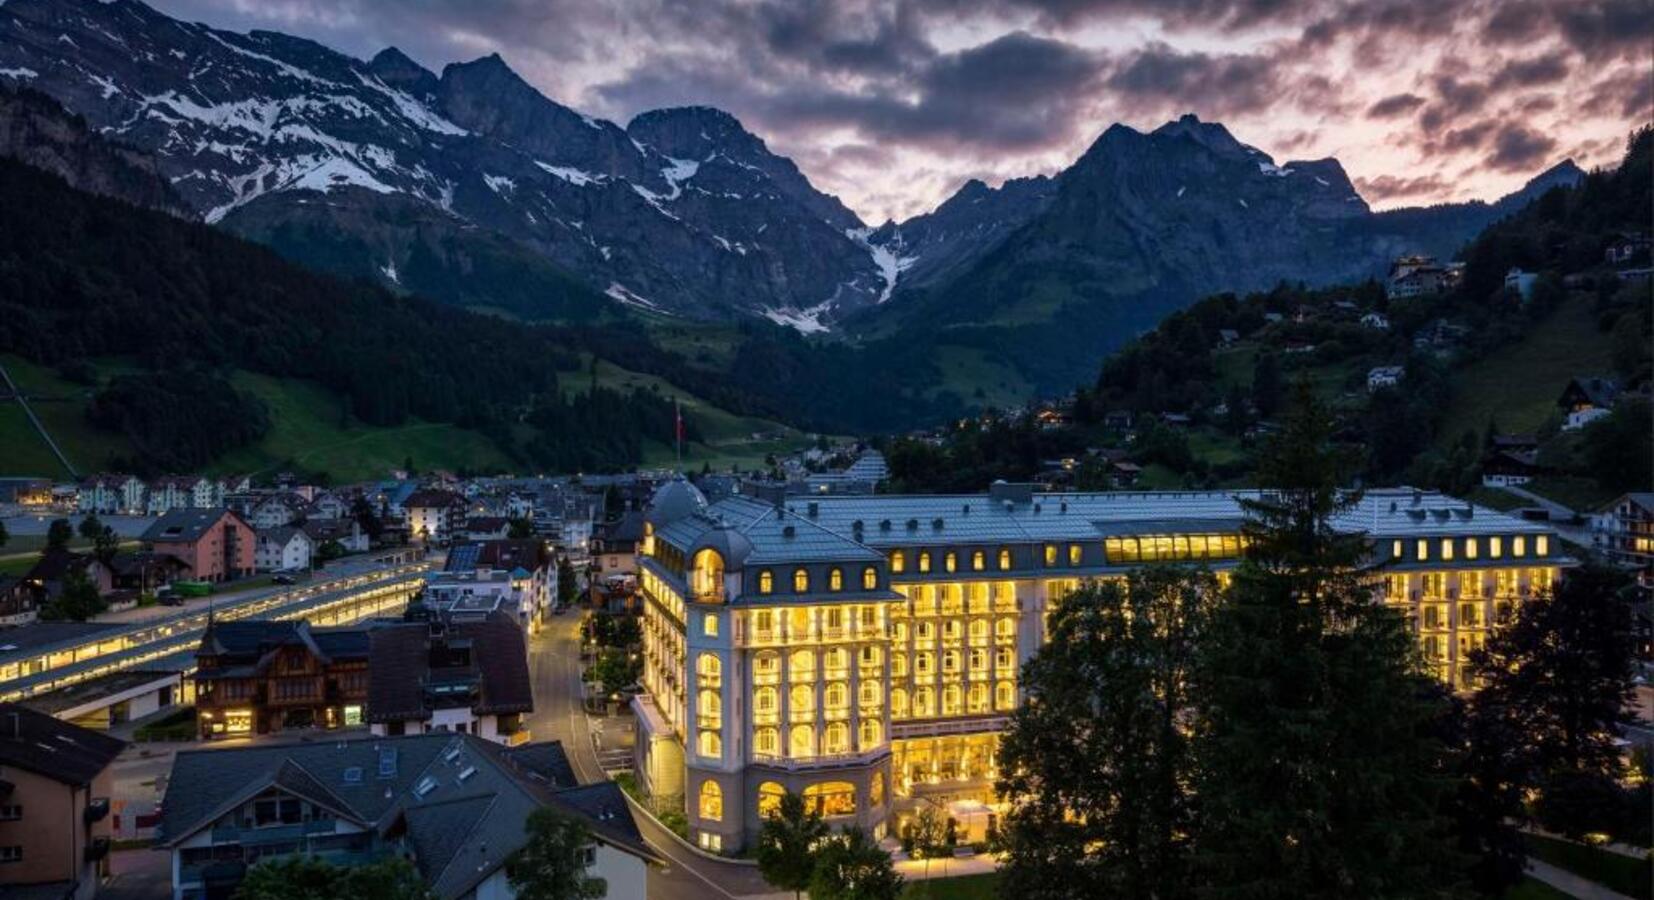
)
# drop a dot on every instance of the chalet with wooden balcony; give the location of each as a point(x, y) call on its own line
point(260, 677)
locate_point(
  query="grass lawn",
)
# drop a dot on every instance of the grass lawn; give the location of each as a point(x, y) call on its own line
point(1497, 498)
point(965, 370)
point(1517, 386)
point(968, 887)
point(18, 565)
point(1582, 495)
point(1631, 877)
point(61, 406)
point(309, 429)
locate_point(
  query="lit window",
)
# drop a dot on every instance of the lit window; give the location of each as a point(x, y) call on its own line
point(769, 798)
point(801, 581)
point(950, 562)
point(875, 793)
point(869, 578)
point(1472, 547)
point(712, 801)
point(898, 704)
point(1050, 554)
point(924, 561)
point(709, 625)
point(763, 701)
point(767, 742)
point(924, 702)
point(801, 742)
point(1495, 547)
point(1005, 695)
point(1395, 548)
point(1447, 548)
point(1424, 549)
point(835, 580)
point(1074, 554)
point(711, 746)
point(1542, 545)
point(898, 561)
point(1519, 546)
point(836, 739)
point(979, 560)
point(835, 798)
point(838, 696)
point(766, 582)
point(871, 733)
point(951, 700)
point(1004, 560)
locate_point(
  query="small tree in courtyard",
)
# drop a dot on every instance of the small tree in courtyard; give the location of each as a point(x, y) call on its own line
point(552, 864)
point(850, 866)
point(787, 844)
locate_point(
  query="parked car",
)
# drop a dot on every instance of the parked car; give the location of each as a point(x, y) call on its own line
point(283, 578)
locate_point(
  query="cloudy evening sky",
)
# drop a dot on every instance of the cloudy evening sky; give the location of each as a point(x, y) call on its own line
point(892, 105)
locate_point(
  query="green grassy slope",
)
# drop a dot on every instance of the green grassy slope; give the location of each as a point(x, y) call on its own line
point(1518, 384)
point(726, 438)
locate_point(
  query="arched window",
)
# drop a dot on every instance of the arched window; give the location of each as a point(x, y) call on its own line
point(1050, 554)
point(710, 745)
point(802, 702)
point(766, 742)
point(836, 739)
point(924, 561)
point(951, 630)
point(950, 562)
point(769, 798)
point(766, 667)
point(706, 576)
point(898, 665)
point(801, 666)
point(871, 691)
point(801, 581)
point(801, 742)
point(872, 732)
point(898, 561)
point(950, 662)
point(1006, 628)
point(875, 791)
point(834, 798)
point(709, 708)
point(835, 579)
point(869, 579)
point(764, 701)
point(709, 670)
point(1004, 559)
point(924, 702)
point(838, 696)
point(766, 581)
point(979, 661)
point(979, 560)
point(898, 703)
point(1074, 554)
point(977, 700)
point(950, 700)
point(924, 664)
point(837, 663)
point(1005, 695)
point(712, 801)
point(871, 657)
point(979, 630)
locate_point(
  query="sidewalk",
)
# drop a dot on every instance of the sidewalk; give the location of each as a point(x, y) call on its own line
point(1569, 883)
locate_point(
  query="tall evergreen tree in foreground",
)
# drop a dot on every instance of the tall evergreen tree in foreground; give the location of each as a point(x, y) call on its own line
point(1556, 680)
point(1318, 771)
point(787, 844)
point(1098, 762)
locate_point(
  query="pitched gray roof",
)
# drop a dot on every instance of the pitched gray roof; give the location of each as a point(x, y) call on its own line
point(185, 524)
point(463, 828)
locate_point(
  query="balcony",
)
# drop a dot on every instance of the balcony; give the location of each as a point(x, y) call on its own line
point(823, 761)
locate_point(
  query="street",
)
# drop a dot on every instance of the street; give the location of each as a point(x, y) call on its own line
point(554, 658)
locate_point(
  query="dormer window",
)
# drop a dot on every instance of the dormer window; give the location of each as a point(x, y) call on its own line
point(1004, 559)
point(801, 581)
point(924, 561)
point(835, 580)
point(869, 579)
point(898, 561)
point(766, 582)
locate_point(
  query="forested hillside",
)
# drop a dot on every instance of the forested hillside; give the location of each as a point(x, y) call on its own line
point(1204, 386)
point(100, 278)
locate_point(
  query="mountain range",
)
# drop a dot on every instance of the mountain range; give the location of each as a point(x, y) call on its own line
point(473, 187)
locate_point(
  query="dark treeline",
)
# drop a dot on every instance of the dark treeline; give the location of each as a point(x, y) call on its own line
point(97, 277)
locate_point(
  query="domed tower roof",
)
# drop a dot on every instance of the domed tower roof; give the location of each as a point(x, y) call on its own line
point(674, 500)
point(730, 544)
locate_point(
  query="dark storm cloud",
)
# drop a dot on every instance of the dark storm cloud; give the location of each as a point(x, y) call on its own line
point(1609, 27)
point(1394, 105)
point(1517, 148)
point(1391, 187)
point(1540, 70)
point(1158, 78)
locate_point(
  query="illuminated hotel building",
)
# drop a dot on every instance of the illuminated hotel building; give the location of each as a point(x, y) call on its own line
point(864, 651)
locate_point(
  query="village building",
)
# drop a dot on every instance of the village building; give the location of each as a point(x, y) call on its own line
point(285, 548)
point(54, 805)
point(215, 544)
point(469, 677)
point(1586, 399)
point(255, 676)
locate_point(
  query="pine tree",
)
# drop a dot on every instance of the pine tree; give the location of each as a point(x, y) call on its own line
point(1318, 775)
point(1098, 761)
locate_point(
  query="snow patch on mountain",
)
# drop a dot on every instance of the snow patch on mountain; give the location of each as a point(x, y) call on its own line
point(805, 321)
point(19, 73)
point(412, 109)
point(499, 184)
point(680, 171)
point(890, 265)
point(576, 177)
point(623, 294)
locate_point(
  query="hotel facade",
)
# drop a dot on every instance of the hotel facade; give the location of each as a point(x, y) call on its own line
point(865, 651)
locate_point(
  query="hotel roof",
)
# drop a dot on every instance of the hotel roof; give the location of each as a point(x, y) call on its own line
point(856, 527)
